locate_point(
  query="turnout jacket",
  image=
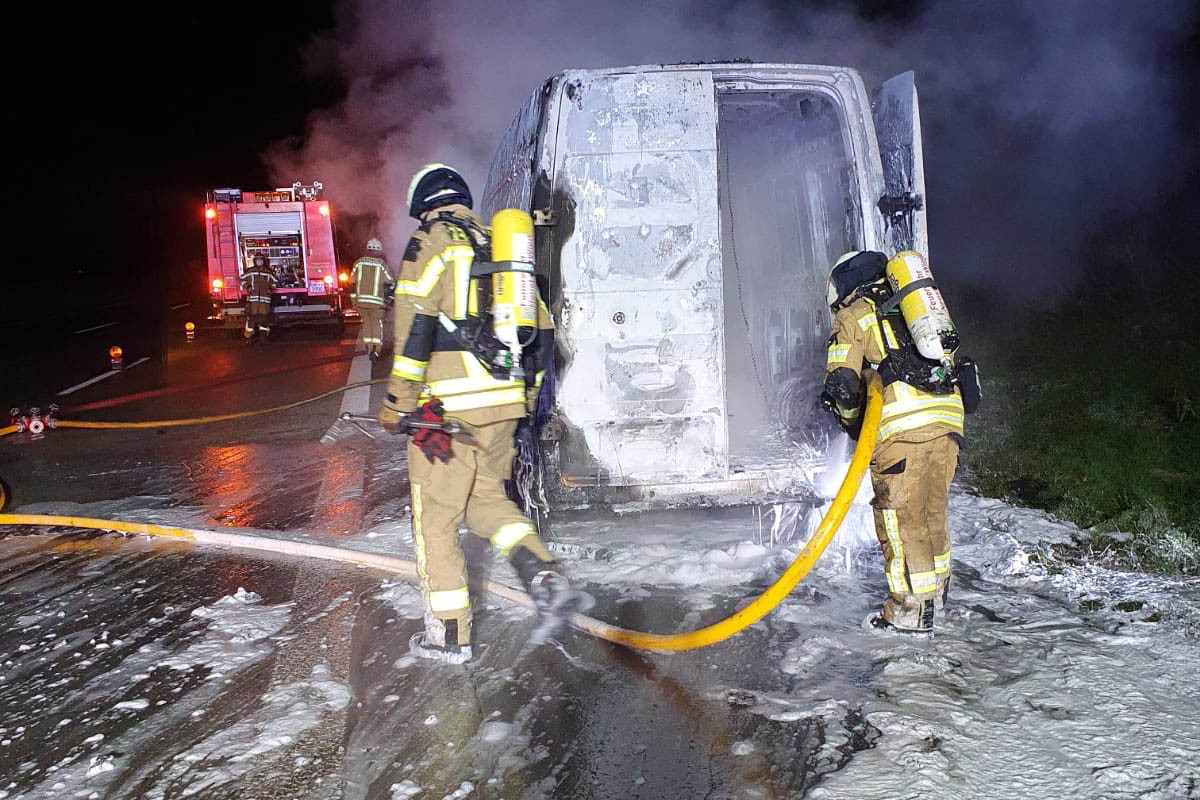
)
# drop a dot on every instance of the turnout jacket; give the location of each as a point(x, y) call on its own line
point(369, 278)
point(258, 284)
point(909, 414)
point(435, 278)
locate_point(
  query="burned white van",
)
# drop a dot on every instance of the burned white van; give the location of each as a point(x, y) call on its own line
point(687, 217)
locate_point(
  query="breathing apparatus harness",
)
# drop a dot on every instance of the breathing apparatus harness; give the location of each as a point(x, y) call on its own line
point(903, 363)
point(477, 333)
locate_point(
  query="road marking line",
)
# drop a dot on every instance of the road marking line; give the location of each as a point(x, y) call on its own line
point(358, 401)
point(99, 378)
point(99, 327)
point(181, 305)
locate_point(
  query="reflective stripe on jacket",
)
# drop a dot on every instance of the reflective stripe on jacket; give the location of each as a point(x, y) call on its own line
point(908, 413)
point(435, 278)
point(258, 285)
point(370, 276)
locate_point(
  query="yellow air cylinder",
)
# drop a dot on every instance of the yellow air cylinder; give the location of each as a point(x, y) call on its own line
point(514, 288)
point(923, 307)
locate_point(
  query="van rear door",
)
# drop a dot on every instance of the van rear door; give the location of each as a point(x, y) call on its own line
point(643, 392)
point(898, 130)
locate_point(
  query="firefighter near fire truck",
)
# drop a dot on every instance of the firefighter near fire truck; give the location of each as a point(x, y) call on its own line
point(291, 231)
point(890, 316)
point(370, 282)
point(258, 282)
point(472, 341)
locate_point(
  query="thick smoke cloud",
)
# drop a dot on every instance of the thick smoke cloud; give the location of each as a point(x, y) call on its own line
point(1045, 123)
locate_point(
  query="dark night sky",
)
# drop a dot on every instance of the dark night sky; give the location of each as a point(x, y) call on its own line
point(128, 118)
point(124, 119)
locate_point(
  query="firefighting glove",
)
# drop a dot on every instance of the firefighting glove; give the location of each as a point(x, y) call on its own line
point(433, 443)
point(391, 418)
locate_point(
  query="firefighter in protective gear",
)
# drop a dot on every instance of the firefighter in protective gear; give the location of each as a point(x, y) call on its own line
point(258, 281)
point(434, 370)
point(370, 281)
point(920, 433)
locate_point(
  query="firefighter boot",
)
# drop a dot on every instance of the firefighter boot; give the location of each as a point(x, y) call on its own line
point(556, 600)
point(439, 642)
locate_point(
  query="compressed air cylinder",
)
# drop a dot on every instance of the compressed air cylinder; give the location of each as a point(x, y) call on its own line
point(923, 307)
point(514, 288)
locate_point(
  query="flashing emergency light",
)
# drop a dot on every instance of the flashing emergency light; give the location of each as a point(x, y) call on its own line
point(189, 328)
point(344, 277)
point(324, 209)
point(116, 355)
point(328, 280)
point(218, 284)
point(210, 213)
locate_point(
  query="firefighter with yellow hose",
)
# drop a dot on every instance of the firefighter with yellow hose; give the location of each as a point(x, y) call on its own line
point(889, 316)
point(464, 352)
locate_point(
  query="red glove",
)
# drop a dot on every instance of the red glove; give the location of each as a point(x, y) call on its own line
point(433, 443)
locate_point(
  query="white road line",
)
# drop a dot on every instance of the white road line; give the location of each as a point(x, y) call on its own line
point(181, 305)
point(358, 401)
point(99, 378)
point(99, 327)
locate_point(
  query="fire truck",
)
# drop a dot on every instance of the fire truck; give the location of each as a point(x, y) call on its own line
point(292, 229)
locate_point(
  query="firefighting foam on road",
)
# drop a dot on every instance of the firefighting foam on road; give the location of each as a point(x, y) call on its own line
point(562, 498)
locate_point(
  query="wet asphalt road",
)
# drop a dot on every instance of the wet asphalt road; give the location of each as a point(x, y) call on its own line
point(86, 622)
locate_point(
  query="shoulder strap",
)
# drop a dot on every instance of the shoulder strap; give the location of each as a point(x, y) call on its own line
point(895, 299)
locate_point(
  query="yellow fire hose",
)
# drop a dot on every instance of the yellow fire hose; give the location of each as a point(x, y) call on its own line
point(172, 423)
point(407, 570)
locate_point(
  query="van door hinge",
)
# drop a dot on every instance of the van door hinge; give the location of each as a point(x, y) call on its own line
point(544, 217)
point(893, 205)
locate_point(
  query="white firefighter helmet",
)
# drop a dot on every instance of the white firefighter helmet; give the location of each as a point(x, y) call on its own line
point(436, 185)
point(375, 245)
point(831, 291)
point(854, 269)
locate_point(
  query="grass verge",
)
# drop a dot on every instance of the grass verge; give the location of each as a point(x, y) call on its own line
point(1092, 411)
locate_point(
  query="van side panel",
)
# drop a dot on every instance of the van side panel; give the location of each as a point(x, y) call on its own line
point(641, 315)
point(510, 182)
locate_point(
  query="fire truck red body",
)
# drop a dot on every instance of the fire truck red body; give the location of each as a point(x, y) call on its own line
point(293, 230)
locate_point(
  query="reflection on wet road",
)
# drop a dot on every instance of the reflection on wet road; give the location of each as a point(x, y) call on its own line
point(146, 669)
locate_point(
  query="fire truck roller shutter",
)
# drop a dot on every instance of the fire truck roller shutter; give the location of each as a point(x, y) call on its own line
point(287, 222)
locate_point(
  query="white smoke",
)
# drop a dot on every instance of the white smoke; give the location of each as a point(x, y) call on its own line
point(1042, 121)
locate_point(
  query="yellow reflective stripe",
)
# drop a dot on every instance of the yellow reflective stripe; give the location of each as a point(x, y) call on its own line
point(920, 420)
point(424, 285)
point(923, 582)
point(467, 402)
point(508, 535)
point(469, 384)
point(449, 600)
point(871, 323)
point(418, 538)
point(848, 413)
point(838, 353)
point(461, 256)
point(941, 564)
point(408, 368)
point(537, 379)
point(891, 336)
point(895, 566)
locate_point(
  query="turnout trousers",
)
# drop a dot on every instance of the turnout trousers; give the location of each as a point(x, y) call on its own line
point(258, 316)
point(372, 327)
point(469, 488)
point(912, 487)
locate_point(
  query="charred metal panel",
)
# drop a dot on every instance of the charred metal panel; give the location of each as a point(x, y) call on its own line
point(640, 277)
point(510, 179)
point(898, 128)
